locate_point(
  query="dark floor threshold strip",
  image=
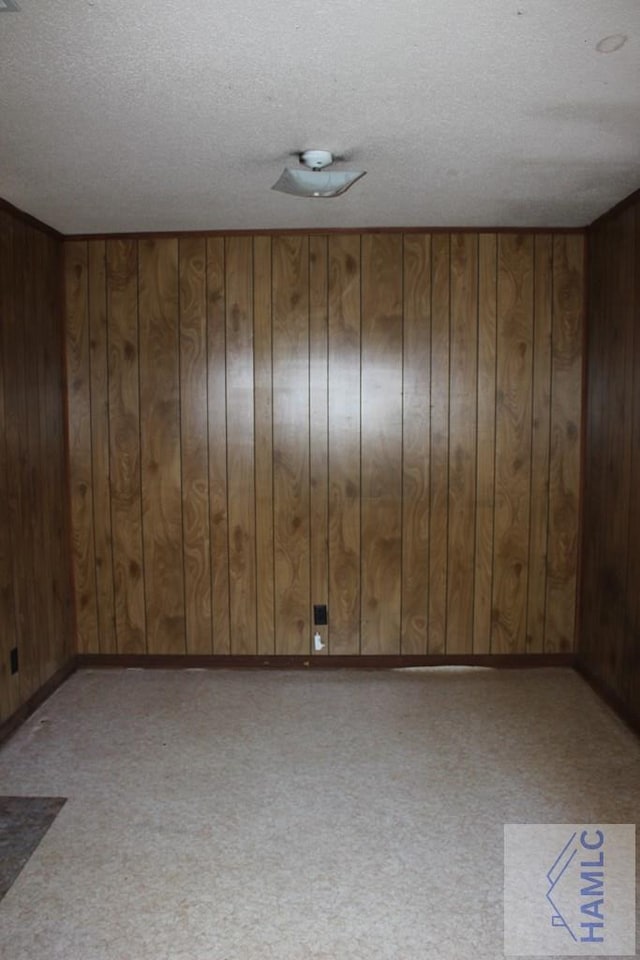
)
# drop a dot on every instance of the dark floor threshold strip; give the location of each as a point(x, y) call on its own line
point(23, 823)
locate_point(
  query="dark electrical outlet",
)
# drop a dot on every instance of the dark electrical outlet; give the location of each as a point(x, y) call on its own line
point(319, 614)
point(14, 660)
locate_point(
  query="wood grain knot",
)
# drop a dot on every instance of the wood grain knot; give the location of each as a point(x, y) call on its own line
point(572, 431)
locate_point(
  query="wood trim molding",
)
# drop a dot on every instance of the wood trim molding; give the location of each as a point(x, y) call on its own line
point(317, 231)
point(28, 219)
point(11, 724)
point(381, 662)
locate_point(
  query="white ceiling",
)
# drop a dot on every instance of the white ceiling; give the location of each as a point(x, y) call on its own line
point(165, 115)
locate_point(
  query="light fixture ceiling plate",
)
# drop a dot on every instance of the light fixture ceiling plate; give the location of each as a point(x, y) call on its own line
point(316, 159)
point(324, 183)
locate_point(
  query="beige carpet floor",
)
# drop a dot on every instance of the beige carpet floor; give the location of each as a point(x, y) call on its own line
point(345, 815)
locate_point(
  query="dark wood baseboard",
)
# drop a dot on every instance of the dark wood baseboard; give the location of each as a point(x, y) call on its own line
point(323, 662)
point(36, 699)
point(609, 696)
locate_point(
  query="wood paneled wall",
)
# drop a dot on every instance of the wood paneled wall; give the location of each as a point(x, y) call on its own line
point(35, 596)
point(389, 424)
point(610, 607)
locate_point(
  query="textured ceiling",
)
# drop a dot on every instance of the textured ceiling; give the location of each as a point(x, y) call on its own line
point(148, 115)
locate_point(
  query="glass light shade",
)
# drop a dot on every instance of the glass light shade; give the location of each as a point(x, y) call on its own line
point(312, 183)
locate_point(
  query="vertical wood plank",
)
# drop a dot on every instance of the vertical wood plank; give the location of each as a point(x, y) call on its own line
point(33, 279)
point(291, 443)
point(632, 642)
point(610, 354)
point(608, 375)
point(486, 403)
point(217, 425)
point(564, 471)
point(193, 444)
point(160, 445)
point(439, 455)
point(27, 598)
point(462, 441)
point(59, 492)
point(513, 442)
point(614, 491)
point(25, 275)
point(264, 444)
point(416, 442)
point(35, 553)
point(9, 685)
point(124, 443)
point(18, 460)
point(80, 443)
point(318, 427)
point(381, 451)
point(541, 408)
point(344, 443)
point(240, 444)
point(591, 597)
point(99, 367)
point(57, 645)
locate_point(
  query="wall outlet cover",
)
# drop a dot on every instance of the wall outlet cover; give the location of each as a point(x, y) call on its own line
point(320, 614)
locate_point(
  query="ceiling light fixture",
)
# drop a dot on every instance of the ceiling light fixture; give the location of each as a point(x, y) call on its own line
point(315, 181)
point(7, 6)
